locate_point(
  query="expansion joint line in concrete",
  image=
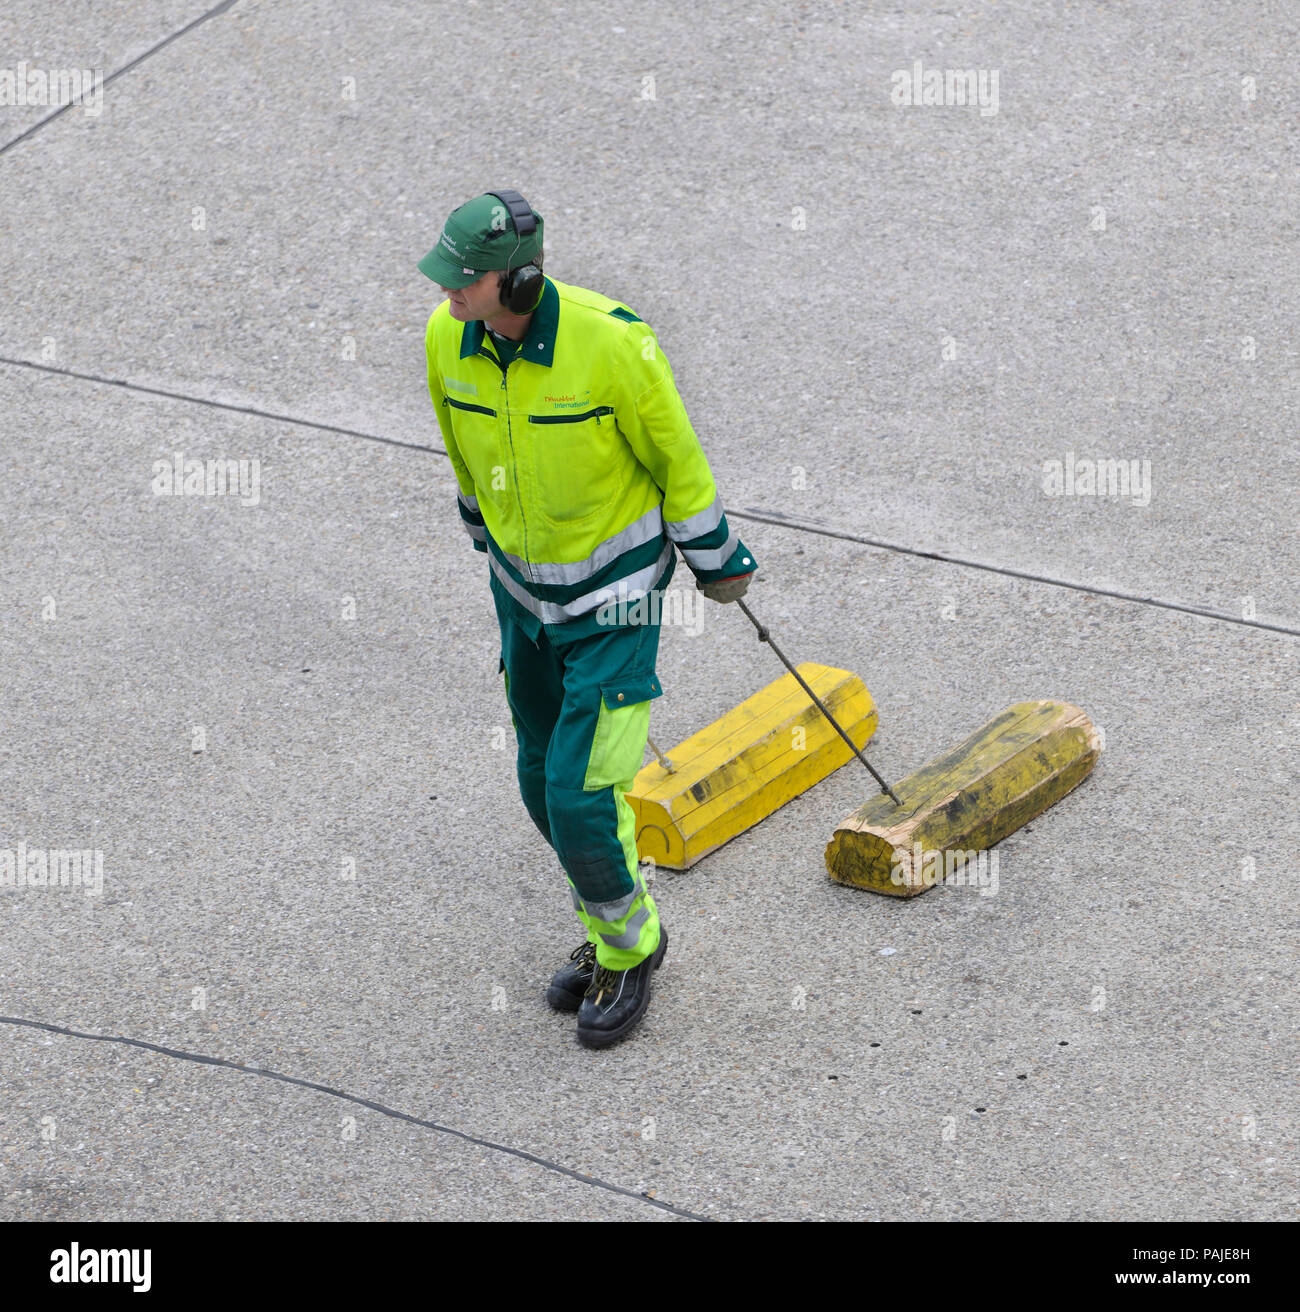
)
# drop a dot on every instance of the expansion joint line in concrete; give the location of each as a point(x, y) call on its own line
point(252, 410)
point(267, 1074)
point(756, 514)
point(824, 530)
point(118, 72)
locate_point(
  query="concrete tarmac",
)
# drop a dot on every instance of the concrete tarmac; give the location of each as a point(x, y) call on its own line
point(278, 714)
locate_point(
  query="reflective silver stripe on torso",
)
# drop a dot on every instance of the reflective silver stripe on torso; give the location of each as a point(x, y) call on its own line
point(626, 589)
point(636, 534)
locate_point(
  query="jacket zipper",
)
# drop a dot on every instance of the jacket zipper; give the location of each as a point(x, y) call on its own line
point(595, 414)
point(514, 470)
point(465, 405)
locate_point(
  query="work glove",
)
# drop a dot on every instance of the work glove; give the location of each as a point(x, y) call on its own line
point(731, 589)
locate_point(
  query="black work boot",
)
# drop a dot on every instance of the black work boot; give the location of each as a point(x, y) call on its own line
point(569, 983)
point(617, 999)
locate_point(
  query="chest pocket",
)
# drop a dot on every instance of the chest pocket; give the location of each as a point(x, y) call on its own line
point(478, 435)
point(579, 462)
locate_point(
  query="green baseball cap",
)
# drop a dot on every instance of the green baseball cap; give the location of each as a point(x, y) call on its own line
point(477, 237)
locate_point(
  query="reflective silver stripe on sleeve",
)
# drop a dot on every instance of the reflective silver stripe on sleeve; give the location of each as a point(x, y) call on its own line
point(636, 534)
point(712, 557)
point(476, 531)
point(550, 612)
point(470, 503)
point(702, 522)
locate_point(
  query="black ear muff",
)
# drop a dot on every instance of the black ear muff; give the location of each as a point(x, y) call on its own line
point(521, 288)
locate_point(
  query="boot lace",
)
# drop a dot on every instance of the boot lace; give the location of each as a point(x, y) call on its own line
point(602, 982)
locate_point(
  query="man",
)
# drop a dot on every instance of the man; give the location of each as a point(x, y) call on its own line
point(578, 472)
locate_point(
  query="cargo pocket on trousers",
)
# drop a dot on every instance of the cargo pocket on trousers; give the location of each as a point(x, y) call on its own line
point(621, 727)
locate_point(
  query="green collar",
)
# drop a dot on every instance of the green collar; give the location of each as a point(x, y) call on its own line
point(539, 341)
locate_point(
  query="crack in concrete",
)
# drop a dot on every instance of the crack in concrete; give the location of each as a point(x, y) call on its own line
point(266, 1073)
point(126, 68)
point(782, 521)
point(218, 405)
point(756, 514)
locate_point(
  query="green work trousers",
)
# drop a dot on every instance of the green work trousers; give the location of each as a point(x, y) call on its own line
point(581, 712)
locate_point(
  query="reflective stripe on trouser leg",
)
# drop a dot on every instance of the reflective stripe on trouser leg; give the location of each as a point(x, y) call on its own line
point(628, 931)
point(595, 839)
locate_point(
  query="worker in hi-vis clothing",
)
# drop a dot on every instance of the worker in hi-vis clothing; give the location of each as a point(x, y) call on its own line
point(578, 472)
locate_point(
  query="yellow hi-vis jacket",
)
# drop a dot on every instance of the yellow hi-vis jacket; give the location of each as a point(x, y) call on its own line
point(577, 466)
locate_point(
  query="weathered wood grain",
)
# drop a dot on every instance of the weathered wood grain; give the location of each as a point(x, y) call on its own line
point(1001, 777)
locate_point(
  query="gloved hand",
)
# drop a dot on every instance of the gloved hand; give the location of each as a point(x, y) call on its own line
point(731, 589)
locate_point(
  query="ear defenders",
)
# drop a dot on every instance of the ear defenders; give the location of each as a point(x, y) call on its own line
point(521, 288)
